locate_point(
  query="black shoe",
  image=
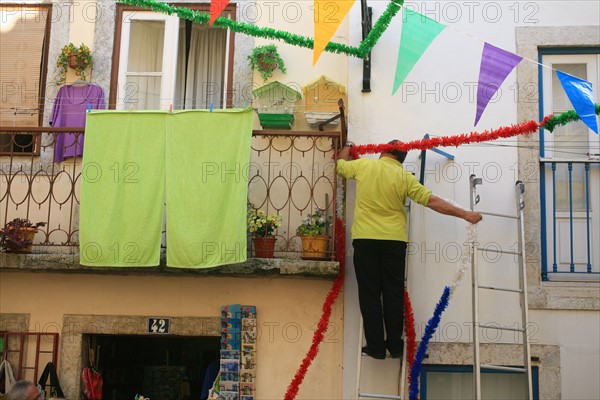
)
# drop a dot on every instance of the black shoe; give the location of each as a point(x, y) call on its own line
point(396, 355)
point(367, 352)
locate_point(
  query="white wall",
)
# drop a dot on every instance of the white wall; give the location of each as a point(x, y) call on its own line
point(439, 98)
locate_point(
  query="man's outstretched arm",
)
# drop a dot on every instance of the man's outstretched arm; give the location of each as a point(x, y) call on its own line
point(443, 207)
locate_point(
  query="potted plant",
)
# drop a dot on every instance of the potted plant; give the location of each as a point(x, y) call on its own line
point(17, 235)
point(314, 235)
point(78, 58)
point(265, 59)
point(262, 227)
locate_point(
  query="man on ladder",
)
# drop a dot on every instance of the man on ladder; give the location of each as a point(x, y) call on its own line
point(380, 239)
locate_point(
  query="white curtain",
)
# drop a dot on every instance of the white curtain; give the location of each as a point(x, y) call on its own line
point(206, 68)
point(145, 55)
point(179, 100)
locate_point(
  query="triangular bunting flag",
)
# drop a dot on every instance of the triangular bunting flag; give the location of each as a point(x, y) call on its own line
point(328, 17)
point(496, 65)
point(418, 32)
point(216, 9)
point(581, 96)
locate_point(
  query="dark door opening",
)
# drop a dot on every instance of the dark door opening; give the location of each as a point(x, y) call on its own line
point(161, 368)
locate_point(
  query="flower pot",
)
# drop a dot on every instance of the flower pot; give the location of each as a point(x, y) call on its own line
point(26, 234)
point(74, 62)
point(314, 247)
point(263, 64)
point(264, 247)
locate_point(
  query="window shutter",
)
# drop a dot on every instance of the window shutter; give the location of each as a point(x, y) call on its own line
point(22, 30)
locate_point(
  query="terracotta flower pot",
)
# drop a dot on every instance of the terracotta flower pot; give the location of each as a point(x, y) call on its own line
point(314, 247)
point(74, 62)
point(264, 247)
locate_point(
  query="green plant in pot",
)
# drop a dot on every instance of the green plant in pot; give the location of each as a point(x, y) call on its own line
point(313, 233)
point(78, 58)
point(265, 59)
point(17, 235)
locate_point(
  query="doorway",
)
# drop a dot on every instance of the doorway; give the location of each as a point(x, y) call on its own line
point(163, 368)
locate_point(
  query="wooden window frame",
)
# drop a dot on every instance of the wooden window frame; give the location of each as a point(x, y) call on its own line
point(204, 7)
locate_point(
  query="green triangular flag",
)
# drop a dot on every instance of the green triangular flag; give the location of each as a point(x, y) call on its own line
point(418, 32)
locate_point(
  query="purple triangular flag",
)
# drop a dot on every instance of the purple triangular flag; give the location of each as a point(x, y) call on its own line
point(496, 64)
point(581, 96)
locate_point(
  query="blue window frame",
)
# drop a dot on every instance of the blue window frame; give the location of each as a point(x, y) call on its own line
point(569, 173)
point(433, 375)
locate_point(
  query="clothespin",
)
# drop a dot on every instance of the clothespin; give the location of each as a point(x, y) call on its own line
point(211, 107)
point(89, 107)
point(170, 108)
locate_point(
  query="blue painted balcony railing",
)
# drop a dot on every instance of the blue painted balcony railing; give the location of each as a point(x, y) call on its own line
point(570, 217)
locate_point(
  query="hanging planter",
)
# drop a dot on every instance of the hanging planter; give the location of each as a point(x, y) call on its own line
point(78, 58)
point(265, 59)
point(76, 62)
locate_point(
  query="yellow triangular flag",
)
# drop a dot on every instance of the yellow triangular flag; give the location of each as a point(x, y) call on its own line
point(328, 17)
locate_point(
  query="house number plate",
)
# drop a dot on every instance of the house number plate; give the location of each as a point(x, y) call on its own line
point(159, 325)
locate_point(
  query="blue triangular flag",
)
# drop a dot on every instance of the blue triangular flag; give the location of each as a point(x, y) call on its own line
point(580, 94)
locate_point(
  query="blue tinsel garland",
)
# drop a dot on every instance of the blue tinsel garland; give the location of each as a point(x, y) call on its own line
point(432, 325)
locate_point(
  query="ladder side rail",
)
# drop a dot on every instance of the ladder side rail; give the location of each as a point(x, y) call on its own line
point(474, 199)
point(520, 190)
point(359, 362)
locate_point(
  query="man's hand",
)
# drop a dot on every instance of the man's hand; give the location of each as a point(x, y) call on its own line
point(443, 207)
point(473, 217)
point(344, 153)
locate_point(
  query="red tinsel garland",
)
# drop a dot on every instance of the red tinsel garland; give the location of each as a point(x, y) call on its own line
point(411, 335)
point(457, 140)
point(319, 335)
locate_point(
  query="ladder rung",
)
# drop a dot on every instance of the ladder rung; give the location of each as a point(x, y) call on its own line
point(498, 215)
point(501, 289)
point(501, 328)
point(379, 396)
point(502, 368)
point(499, 251)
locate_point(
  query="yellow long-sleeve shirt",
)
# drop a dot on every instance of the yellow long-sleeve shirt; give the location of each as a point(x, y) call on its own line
point(381, 189)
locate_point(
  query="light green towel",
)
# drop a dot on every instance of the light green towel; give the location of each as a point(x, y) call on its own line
point(207, 187)
point(122, 189)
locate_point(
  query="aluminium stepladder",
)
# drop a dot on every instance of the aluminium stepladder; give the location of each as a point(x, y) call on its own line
point(521, 291)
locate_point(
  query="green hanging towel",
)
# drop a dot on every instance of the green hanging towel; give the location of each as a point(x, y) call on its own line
point(208, 155)
point(122, 189)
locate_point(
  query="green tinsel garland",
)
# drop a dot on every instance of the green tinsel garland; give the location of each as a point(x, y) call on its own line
point(380, 26)
point(269, 33)
point(563, 119)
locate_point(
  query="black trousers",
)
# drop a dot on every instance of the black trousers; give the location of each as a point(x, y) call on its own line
point(380, 269)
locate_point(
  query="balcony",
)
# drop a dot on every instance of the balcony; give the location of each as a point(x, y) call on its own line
point(290, 172)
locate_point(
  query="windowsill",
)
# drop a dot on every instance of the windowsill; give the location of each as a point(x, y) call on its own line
point(37, 262)
point(581, 296)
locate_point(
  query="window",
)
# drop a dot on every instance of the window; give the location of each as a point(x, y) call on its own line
point(441, 382)
point(164, 61)
point(24, 34)
point(570, 177)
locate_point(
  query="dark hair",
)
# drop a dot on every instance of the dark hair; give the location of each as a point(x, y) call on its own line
point(400, 155)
